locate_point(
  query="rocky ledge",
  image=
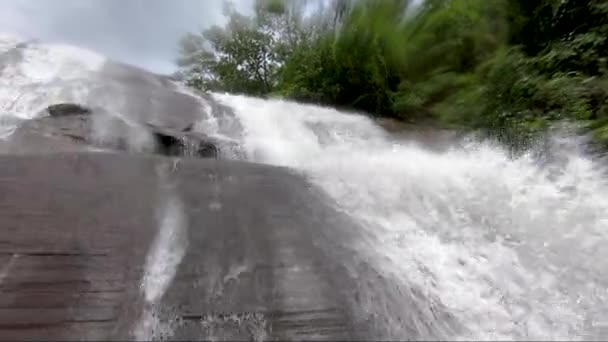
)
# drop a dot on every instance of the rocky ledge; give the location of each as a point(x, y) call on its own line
point(72, 127)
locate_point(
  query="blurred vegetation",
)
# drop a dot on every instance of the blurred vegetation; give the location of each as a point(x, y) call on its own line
point(507, 67)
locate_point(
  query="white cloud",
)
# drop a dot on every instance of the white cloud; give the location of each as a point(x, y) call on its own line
point(140, 32)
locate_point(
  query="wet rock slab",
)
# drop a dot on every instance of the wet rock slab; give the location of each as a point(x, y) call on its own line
point(79, 232)
point(71, 127)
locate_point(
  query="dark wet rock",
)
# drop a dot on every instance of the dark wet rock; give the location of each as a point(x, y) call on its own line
point(169, 145)
point(74, 251)
point(207, 149)
point(67, 109)
point(101, 130)
point(176, 143)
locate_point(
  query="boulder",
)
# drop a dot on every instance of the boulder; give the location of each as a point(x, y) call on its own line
point(178, 143)
point(67, 109)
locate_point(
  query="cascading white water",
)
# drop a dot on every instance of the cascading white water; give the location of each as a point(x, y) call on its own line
point(35, 77)
point(512, 249)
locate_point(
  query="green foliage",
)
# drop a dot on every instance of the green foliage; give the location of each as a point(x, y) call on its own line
point(244, 56)
point(508, 67)
point(557, 72)
point(312, 74)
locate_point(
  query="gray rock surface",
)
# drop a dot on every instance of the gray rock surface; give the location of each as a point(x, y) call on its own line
point(81, 231)
point(100, 130)
point(99, 244)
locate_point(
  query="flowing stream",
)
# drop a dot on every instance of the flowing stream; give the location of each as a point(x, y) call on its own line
point(513, 248)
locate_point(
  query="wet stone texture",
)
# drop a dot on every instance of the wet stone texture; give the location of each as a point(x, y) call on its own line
point(78, 230)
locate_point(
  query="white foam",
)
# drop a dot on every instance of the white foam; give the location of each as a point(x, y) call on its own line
point(45, 63)
point(38, 75)
point(9, 41)
point(167, 252)
point(162, 262)
point(513, 250)
point(208, 124)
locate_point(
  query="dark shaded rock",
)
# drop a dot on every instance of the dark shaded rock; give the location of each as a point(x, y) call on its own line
point(100, 130)
point(188, 128)
point(207, 149)
point(168, 145)
point(67, 109)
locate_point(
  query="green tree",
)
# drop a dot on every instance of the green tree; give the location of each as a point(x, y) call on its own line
point(508, 67)
point(239, 57)
point(245, 55)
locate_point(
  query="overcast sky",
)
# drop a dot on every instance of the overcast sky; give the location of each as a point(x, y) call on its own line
point(140, 32)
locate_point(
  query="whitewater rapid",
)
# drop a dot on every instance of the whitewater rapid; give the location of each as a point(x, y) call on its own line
point(511, 248)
